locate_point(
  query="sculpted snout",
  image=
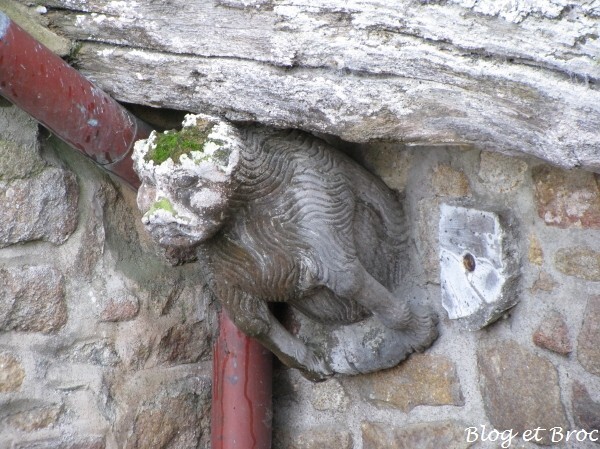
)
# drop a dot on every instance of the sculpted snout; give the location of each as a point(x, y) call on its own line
point(176, 223)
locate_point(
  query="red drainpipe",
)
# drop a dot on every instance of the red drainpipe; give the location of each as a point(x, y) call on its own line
point(60, 98)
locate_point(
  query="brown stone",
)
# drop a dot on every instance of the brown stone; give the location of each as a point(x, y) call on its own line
point(449, 182)
point(588, 349)
point(520, 390)
point(171, 423)
point(35, 418)
point(32, 299)
point(553, 334)
point(43, 207)
point(544, 283)
point(185, 343)
point(11, 373)
point(322, 437)
point(120, 308)
point(567, 198)
point(536, 254)
point(586, 411)
point(502, 173)
point(435, 435)
point(580, 262)
point(424, 379)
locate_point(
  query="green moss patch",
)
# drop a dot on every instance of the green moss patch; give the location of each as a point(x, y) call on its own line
point(162, 204)
point(175, 144)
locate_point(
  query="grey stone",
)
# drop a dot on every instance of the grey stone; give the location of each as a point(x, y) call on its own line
point(588, 349)
point(433, 435)
point(19, 145)
point(479, 265)
point(580, 262)
point(43, 207)
point(93, 240)
point(18, 162)
point(32, 299)
point(391, 162)
point(67, 442)
point(501, 173)
point(424, 379)
point(428, 242)
point(520, 390)
point(97, 352)
point(319, 437)
point(586, 411)
point(329, 395)
point(553, 334)
point(11, 373)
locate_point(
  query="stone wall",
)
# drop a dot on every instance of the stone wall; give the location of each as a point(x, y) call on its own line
point(104, 345)
point(538, 366)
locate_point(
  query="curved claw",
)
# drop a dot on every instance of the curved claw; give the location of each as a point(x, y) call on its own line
point(316, 368)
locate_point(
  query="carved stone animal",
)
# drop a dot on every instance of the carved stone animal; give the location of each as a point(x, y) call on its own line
point(281, 216)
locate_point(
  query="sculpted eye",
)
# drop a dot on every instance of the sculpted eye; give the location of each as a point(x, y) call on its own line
point(185, 182)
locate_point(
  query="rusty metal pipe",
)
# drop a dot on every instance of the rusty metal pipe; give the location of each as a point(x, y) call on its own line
point(60, 98)
point(65, 102)
point(241, 405)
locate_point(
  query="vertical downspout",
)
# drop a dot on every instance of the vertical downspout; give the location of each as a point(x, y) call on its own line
point(60, 98)
point(241, 403)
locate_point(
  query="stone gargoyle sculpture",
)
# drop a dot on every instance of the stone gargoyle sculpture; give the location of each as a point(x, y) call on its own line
point(281, 216)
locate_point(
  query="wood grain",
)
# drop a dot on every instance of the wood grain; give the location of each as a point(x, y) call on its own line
point(502, 76)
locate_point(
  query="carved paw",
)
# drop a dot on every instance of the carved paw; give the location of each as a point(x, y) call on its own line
point(316, 369)
point(423, 329)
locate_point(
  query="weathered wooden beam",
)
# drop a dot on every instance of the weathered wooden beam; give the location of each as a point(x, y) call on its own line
point(515, 78)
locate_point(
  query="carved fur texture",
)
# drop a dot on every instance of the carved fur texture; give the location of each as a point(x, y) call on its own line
point(287, 218)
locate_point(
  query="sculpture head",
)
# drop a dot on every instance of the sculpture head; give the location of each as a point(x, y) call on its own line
point(187, 180)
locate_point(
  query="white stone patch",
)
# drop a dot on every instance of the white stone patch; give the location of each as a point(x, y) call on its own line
point(478, 267)
point(515, 10)
point(206, 198)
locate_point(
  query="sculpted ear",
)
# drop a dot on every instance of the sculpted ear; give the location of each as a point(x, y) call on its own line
point(146, 195)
